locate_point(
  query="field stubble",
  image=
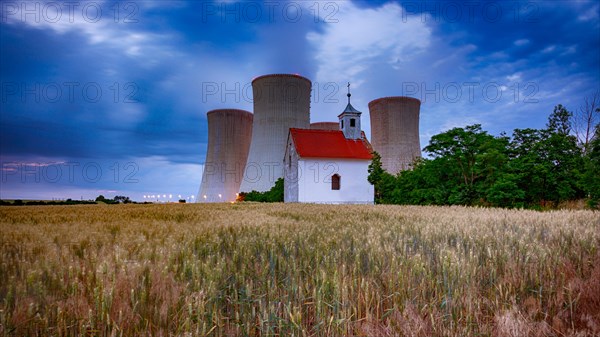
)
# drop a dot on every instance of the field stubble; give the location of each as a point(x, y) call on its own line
point(297, 270)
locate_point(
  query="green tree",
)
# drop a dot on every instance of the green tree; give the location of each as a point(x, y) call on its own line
point(122, 199)
point(461, 146)
point(426, 184)
point(591, 177)
point(547, 163)
point(562, 155)
point(505, 192)
point(275, 194)
point(469, 154)
point(560, 120)
point(375, 169)
point(468, 166)
point(383, 182)
point(529, 168)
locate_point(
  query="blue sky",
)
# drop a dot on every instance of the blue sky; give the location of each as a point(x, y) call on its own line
point(105, 97)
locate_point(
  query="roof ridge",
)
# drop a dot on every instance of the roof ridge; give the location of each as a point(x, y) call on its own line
point(314, 130)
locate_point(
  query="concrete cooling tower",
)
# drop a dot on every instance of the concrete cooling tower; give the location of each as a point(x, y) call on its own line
point(229, 134)
point(281, 102)
point(325, 126)
point(395, 131)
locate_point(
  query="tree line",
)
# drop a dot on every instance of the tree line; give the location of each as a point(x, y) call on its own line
point(119, 199)
point(275, 194)
point(532, 168)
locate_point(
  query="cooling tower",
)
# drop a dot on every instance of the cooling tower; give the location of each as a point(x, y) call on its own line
point(395, 131)
point(229, 134)
point(281, 102)
point(325, 126)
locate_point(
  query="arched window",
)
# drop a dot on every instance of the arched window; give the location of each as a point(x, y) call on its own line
point(335, 182)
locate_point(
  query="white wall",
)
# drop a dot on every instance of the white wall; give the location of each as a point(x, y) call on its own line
point(314, 181)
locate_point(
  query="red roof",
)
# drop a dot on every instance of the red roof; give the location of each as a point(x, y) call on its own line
point(328, 144)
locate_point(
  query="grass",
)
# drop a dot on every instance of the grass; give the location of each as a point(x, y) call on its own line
point(297, 270)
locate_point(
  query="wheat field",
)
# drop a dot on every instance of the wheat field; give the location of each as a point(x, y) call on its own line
point(297, 270)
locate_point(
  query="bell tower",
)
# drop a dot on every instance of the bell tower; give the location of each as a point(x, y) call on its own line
point(350, 120)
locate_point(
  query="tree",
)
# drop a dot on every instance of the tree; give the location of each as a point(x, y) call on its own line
point(559, 121)
point(523, 142)
point(585, 119)
point(468, 166)
point(375, 169)
point(460, 146)
point(275, 194)
point(102, 199)
point(122, 199)
point(591, 177)
point(382, 181)
point(565, 161)
point(528, 164)
point(562, 156)
point(505, 192)
point(428, 183)
point(468, 154)
point(547, 162)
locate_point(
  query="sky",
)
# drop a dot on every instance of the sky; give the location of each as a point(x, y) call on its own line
point(105, 97)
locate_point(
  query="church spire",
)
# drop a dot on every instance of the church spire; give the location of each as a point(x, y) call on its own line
point(350, 120)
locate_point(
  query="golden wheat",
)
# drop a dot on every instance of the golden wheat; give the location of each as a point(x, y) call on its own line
point(297, 270)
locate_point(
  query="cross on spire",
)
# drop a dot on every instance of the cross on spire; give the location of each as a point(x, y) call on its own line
point(348, 93)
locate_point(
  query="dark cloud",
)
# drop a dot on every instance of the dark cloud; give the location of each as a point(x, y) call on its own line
point(152, 72)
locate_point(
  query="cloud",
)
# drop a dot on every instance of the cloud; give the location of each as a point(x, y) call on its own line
point(116, 26)
point(377, 48)
point(514, 77)
point(363, 37)
point(170, 54)
point(521, 42)
point(591, 14)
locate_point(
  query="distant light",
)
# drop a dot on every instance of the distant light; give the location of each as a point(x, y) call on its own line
point(192, 197)
point(170, 196)
point(220, 196)
point(164, 195)
point(204, 196)
point(144, 197)
point(180, 196)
